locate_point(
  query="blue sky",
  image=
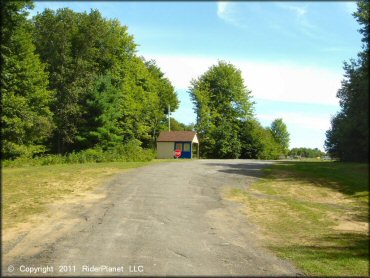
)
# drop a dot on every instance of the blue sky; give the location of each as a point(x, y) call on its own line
point(290, 53)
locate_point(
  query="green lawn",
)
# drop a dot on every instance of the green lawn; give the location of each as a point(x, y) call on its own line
point(314, 214)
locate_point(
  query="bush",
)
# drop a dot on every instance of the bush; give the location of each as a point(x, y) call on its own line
point(12, 151)
point(89, 155)
point(50, 159)
point(130, 152)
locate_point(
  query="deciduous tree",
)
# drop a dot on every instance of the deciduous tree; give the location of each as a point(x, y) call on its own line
point(221, 100)
point(281, 135)
point(348, 137)
point(26, 117)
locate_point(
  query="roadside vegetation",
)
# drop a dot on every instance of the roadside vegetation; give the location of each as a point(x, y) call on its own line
point(314, 214)
point(306, 153)
point(348, 137)
point(130, 152)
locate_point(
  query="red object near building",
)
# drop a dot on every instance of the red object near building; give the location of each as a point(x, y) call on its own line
point(177, 153)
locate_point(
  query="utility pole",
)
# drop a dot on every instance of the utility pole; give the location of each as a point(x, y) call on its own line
point(169, 118)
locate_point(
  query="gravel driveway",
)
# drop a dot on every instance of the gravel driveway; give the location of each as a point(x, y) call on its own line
point(163, 219)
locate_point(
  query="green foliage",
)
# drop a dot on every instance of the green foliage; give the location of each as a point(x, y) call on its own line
point(100, 125)
point(130, 152)
point(26, 119)
point(348, 137)
point(281, 135)
point(221, 100)
point(90, 99)
point(362, 16)
point(306, 152)
point(257, 142)
point(177, 126)
point(79, 47)
point(73, 85)
point(226, 141)
point(166, 91)
point(141, 113)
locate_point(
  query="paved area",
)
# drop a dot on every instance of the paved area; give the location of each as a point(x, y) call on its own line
point(162, 219)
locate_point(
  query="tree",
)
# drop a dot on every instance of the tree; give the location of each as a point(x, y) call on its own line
point(280, 133)
point(177, 126)
point(257, 142)
point(306, 152)
point(78, 48)
point(103, 112)
point(106, 94)
point(27, 119)
point(348, 137)
point(166, 96)
point(221, 100)
point(166, 91)
point(54, 35)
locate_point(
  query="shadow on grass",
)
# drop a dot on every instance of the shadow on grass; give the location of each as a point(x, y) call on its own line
point(347, 178)
point(346, 253)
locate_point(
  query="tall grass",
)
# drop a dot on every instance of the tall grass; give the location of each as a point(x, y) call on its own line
point(130, 152)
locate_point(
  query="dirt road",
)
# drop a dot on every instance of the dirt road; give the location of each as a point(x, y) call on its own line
point(163, 219)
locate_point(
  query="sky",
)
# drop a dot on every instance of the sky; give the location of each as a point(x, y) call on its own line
point(290, 54)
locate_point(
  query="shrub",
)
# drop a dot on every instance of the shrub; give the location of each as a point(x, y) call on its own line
point(50, 159)
point(130, 152)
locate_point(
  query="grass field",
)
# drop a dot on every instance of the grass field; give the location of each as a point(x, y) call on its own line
point(26, 191)
point(314, 214)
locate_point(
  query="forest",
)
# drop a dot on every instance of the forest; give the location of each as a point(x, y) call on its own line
point(73, 82)
point(75, 89)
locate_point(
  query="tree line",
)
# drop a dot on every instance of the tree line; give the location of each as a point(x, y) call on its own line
point(225, 121)
point(306, 152)
point(348, 137)
point(73, 81)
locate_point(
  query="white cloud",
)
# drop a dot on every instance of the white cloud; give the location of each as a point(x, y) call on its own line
point(277, 16)
point(226, 11)
point(181, 69)
point(267, 80)
point(306, 130)
point(304, 25)
point(299, 11)
point(300, 119)
point(292, 83)
point(222, 8)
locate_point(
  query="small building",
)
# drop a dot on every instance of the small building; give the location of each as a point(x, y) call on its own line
point(169, 141)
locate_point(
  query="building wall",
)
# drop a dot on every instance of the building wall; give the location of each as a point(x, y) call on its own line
point(165, 149)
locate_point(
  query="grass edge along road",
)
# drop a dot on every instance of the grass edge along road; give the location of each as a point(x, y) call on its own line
point(26, 191)
point(314, 214)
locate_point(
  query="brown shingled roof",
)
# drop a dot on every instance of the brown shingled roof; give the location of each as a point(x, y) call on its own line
point(171, 136)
